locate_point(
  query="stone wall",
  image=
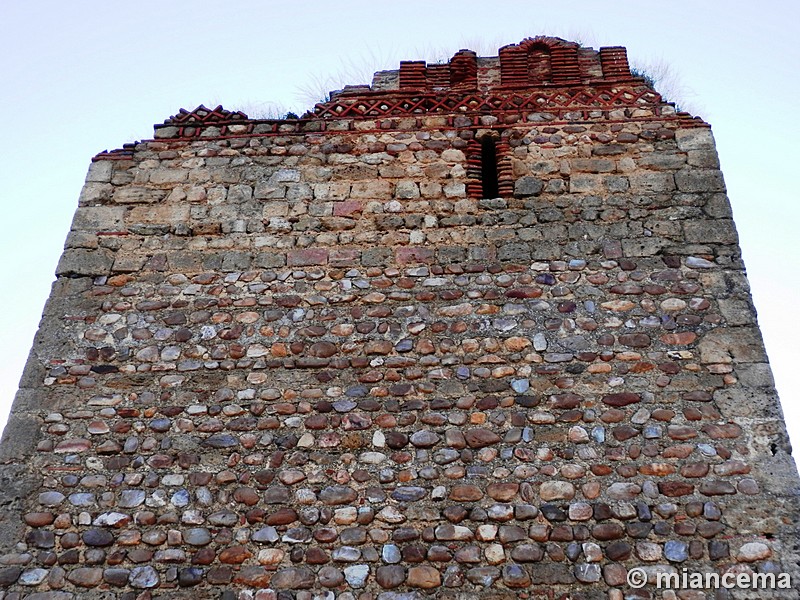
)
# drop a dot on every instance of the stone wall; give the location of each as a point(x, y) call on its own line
point(307, 359)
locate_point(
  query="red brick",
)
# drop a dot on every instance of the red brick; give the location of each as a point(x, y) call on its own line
point(409, 255)
point(347, 208)
point(307, 257)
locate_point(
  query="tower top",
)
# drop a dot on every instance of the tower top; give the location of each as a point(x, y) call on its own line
point(540, 79)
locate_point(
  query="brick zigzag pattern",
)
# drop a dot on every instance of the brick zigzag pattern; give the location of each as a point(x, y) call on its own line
point(415, 104)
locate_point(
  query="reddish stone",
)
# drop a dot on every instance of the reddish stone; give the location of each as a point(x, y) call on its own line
point(654, 289)
point(502, 492)
point(325, 535)
point(219, 575)
point(679, 451)
point(253, 576)
point(288, 301)
point(674, 489)
point(662, 414)
point(390, 576)
point(246, 495)
point(642, 367)
point(627, 288)
point(524, 292)
point(322, 349)
point(330, 577)
point(618, 551)
point(347, 208)
point(284, 516)
point(624, 432)
point(679, 339)
point(305, 257)
point(696, 469)
point(396, 440)
point(466, 493)
point(621, 399)
point(721, 432)
point(480, 438)
point(71, 446)
point(685, 528)
point(439, 554)
point(300, 578)
point(607, 531)
point(615, 574)
point(410, 255)
point(424, 577)
point(681, 432)
point(317, 556)
point(235, 555)
point(378, 347)
point(39, 519)
point(657, 469)
point(204, 556)
point(612, 416)
point(566, 401)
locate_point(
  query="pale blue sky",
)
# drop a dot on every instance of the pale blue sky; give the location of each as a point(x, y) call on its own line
point(81, 77)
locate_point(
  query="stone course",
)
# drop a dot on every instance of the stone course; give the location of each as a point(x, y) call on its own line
point(306, 359)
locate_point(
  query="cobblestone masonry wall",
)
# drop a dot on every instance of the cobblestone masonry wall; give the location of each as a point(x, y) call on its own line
point(306, 359)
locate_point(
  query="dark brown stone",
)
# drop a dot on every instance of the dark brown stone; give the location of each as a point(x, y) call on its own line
point(465, 493)
point(527, 553)
point(621, 399)
point(283, 516)
point(390, 576)
point(697, 469)
point(515, 576)
point(323, 349)
point(607, 531)
point(331, 577)
point(293, 578)
point(675, 489)
point(253, 576)
point(618, 551)
point(480, 438)
point(502, 492)
point(337, 494)
point(86, 577)
point(246, 495)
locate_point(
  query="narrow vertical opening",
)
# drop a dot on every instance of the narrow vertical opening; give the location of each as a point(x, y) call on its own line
point(539, 65)
point(489, 167)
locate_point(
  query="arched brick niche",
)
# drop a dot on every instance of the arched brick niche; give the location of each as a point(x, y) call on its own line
point(543, 61)
point(532, 63)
